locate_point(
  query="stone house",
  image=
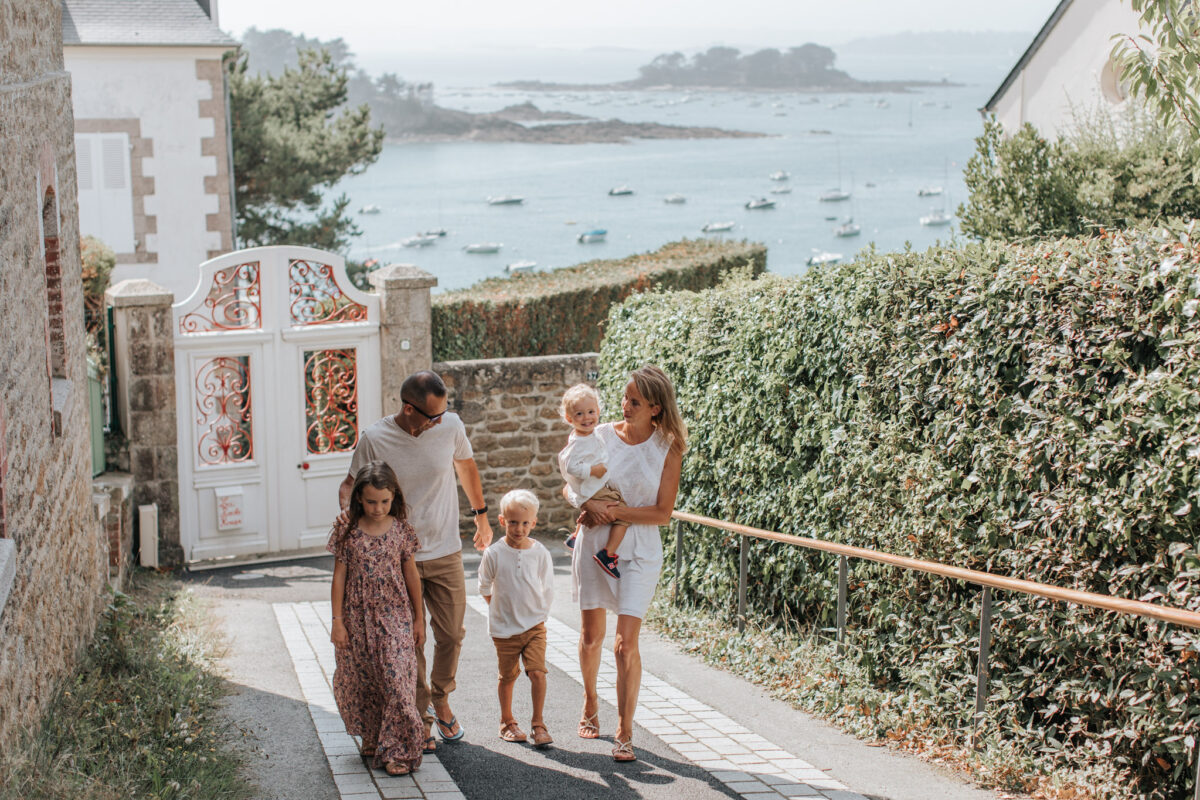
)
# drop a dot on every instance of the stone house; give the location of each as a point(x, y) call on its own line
point(53, 554)
point(1067, 67)
point(152, 134)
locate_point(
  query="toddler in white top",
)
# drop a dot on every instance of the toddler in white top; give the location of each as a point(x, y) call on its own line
point(582, 464)
point(516, 578)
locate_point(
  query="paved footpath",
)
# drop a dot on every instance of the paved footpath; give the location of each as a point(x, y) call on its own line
point(701, 733)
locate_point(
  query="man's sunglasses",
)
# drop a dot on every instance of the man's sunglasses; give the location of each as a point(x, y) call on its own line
point(421, 411)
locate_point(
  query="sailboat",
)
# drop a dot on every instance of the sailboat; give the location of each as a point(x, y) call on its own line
point(838, 194)
point(847, 229)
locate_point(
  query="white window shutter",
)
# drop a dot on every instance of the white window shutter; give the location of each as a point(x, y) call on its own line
point(105, 189)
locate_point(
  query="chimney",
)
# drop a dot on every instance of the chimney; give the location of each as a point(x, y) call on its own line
point(209, 7)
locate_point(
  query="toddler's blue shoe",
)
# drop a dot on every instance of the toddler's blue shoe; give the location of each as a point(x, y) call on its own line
point(607, 563)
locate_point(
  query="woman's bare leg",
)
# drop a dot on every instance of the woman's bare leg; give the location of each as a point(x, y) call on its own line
point(629, 672)
point(591, 641)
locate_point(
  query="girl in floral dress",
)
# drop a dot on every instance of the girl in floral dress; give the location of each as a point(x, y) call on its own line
point(378, 622)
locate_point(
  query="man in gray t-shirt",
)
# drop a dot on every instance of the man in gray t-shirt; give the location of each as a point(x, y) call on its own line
point(426, 445)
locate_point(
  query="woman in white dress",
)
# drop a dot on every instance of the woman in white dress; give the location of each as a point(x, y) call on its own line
point(645, 451)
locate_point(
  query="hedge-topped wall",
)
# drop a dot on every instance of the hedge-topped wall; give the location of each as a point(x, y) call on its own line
point(563, 310)
point(1033, 412)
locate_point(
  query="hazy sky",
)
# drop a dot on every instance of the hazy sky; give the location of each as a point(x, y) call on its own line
point(373, 26)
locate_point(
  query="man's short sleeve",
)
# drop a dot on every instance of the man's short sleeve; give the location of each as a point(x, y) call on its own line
point(462, 445)
point(363, 454)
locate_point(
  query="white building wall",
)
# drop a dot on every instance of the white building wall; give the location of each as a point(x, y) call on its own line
point(1067, 69)
point(158, 86)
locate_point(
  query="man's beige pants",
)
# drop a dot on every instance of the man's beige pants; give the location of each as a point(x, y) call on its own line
point(444, 589)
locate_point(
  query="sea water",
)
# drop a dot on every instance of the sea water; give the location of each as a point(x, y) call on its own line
point(881, 147)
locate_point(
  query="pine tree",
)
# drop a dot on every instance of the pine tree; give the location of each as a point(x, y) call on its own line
point(292, 137)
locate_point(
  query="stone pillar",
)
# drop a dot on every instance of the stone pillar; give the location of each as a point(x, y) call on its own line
point(405, 337)
point(144, 352)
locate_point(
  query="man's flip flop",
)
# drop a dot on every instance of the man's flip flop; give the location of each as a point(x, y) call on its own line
point(444, 726)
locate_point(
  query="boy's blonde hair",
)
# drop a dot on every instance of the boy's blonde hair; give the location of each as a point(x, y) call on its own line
point(573, 396)
point(522, 498)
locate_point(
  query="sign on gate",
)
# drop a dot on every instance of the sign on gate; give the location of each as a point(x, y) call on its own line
point(277, 365)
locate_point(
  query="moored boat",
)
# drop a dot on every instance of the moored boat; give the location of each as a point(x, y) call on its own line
point(847, 229)
point(483, 247)
point(506, 200)
point(675, 199)
point(620, 191)
point(760, 203)
point(420, 240)
point(520, 266)
point(595, 235)
point(717, 227)
point(936, 218)
point(781, 175)
point(834, 196)
point(823, 257)
point(370, 208)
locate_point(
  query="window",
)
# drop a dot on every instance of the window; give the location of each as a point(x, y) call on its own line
point(1111, 86)
point(105, 189)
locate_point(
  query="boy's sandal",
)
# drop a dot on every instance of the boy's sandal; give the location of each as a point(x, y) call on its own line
point(511, 732)
point(430, 745)
point(396, 768)
point(589, 726)
point(541, 736)
point(623, 750)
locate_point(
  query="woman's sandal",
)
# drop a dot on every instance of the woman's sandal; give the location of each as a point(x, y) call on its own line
point(396, 768)
point(430, 745)
point(367, 751)
point(623, 751)
point(589, 726)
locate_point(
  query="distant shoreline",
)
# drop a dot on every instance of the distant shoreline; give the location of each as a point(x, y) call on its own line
point(858, 87)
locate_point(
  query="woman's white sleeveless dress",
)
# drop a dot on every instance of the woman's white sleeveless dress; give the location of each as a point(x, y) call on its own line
point(635, 470)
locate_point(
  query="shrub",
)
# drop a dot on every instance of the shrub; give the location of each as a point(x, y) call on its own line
point(1108, 171)
point(563, 310)
point(1031, 411)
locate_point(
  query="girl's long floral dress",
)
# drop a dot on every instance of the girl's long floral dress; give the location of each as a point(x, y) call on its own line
point(375, 683)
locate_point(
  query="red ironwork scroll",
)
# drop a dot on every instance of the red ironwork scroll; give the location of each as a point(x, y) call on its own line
point(331, 400)
point(234, 302)
point(223, 423)
point(316, 297)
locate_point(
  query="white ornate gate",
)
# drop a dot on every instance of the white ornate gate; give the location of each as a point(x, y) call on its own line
point(277, 365)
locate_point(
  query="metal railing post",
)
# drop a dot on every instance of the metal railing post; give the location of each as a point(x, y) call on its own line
point(743, 568)
point(1196, 789)
point(981, 669)
point(678, 559)
point(843, 577)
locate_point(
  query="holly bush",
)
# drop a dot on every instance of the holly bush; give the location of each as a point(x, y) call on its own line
point(1029, 410)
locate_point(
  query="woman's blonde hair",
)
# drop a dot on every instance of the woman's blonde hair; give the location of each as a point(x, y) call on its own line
point(573, 395)
point(654, 385)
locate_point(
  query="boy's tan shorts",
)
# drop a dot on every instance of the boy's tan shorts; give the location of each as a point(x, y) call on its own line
point(529, 647)
point(608, 494)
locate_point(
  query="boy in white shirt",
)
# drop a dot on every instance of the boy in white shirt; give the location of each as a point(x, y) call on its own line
point(516, 578)
point(583, 467)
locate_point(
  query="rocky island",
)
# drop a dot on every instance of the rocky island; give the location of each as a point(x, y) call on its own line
point(433, 123)
point(807, 68)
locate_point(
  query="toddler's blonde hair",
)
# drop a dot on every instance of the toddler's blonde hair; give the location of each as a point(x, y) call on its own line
point(573, 395)
point(522, 498)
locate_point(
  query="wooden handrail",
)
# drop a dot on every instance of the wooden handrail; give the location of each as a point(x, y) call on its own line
point(1177, 616)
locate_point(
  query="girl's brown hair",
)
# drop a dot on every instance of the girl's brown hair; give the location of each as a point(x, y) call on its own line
point(654, 385)
point(378, 475)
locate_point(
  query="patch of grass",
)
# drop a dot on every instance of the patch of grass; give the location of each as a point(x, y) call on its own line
point(804, 670)
point(138, 718)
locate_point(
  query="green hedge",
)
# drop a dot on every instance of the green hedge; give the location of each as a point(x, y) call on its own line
point(564, 310)
point(1031, 411)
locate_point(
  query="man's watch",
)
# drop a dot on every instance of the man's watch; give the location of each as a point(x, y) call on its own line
point(478, 511)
